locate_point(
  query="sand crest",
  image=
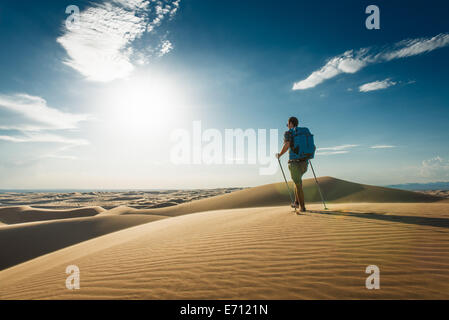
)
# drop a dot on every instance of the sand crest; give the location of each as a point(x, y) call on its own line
point(21, 214)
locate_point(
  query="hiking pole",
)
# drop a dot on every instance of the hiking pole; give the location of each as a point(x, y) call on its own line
point(288, 188)
point(319, 189)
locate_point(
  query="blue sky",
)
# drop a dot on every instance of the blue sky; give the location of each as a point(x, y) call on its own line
point(95, 107)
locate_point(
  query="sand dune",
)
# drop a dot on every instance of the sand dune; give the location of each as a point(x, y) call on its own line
point(244, 245)
point(12, 215)
point(254, 253)
point(22, 242)
point(335, 191)
point(107, 199)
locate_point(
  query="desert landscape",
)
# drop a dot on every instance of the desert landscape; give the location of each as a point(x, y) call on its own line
point(148, 199)
point(244, 244)
point(158, 150)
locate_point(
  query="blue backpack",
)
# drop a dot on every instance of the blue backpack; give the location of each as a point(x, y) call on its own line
point(303, 147)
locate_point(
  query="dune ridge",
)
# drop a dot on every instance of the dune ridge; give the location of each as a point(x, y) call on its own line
point(276, 194)
point(21, 214)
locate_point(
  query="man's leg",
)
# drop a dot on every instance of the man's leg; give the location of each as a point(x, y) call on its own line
point(300, 197)
point(295, 173)
point(296, 193)
point(301, 168)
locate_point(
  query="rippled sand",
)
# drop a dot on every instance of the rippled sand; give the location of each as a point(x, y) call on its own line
point(242, 245)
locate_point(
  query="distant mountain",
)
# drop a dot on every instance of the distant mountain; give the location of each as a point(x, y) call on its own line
point(422, 186)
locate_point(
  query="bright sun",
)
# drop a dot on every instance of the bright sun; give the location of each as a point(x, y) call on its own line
point(143, 104)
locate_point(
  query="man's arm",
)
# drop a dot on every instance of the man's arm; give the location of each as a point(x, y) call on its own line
point(284, 149)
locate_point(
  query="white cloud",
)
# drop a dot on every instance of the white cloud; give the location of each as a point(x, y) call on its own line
point(60, 157)
point(342, 149)
point(133, 4)
point(38, 137)
point(382, 147)
point(435, 168)
point(413, 47)
point(346, 63)
point(352, 61)
point(377, 85)
point(345, 148)
point(166, 47)
point(338, 148)
point(34, 118)
point(34, 114)
point(328, 153)
point(102, 47)
point(175, 8)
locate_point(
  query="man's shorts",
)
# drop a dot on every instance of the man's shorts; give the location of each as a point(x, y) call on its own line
point(297, 170)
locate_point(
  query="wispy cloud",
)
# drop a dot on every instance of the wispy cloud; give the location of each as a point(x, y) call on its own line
point(38, 137)
point(345, 148)
point(338, 148)
point(102, 46)
point(348, 62)
point(34, 114)
point(60, 157)
point(342, 149)
point(328, 153)
point(352, 61)
point(36, 122)
point(382, 147)
point(377, 85)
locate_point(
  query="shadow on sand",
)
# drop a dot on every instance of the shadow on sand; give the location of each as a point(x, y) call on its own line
point(421, 221)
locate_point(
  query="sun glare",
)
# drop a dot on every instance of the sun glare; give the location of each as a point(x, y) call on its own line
point(144, 105)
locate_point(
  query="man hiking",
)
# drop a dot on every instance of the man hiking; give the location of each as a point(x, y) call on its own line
point(302, 148)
